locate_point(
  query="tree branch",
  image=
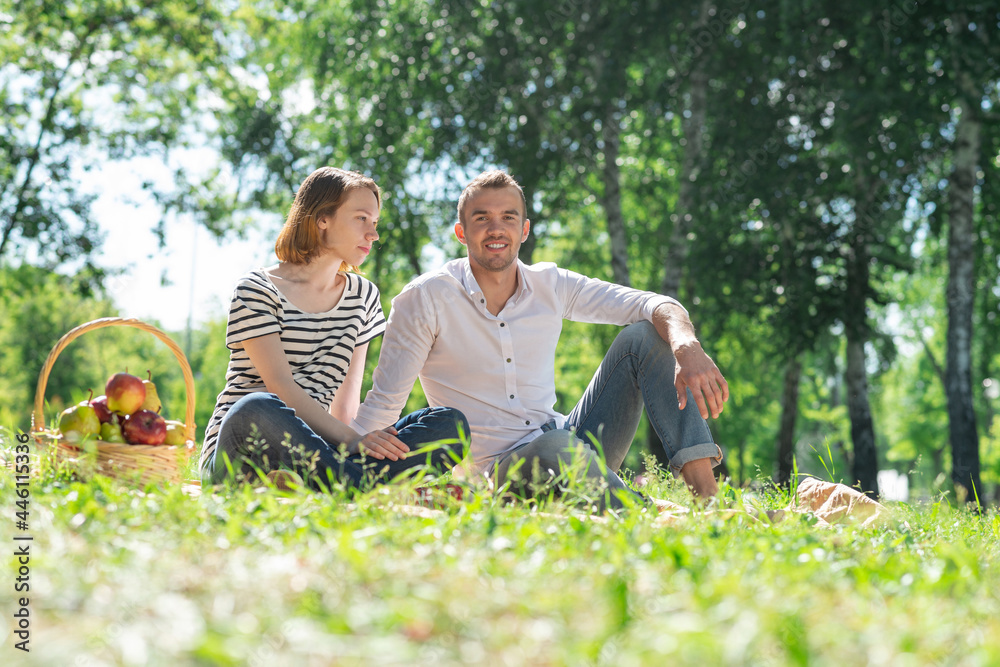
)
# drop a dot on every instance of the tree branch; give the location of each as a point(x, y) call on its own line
point(938, 370)
point(35, 154)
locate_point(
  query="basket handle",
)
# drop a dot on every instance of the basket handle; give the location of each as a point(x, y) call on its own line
point(38, 416)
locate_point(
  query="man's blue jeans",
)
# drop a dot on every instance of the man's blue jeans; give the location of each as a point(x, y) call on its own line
point(260, 434)
point(637, 371)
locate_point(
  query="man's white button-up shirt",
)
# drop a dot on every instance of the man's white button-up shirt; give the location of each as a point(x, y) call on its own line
point(499, 370)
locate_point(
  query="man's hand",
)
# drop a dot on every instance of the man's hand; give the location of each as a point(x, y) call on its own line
point(696, 371)
point(382, 444)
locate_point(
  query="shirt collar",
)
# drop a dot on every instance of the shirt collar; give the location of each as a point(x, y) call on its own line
point(522, 283)
point(471, 287)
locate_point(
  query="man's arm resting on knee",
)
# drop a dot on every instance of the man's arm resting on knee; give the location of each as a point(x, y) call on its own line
point(694, 369)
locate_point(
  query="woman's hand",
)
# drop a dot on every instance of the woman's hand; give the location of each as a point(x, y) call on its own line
point(382, 444)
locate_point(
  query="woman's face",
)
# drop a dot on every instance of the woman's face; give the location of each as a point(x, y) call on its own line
point(349, 233)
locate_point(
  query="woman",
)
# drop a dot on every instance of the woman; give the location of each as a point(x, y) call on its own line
point(298, 335)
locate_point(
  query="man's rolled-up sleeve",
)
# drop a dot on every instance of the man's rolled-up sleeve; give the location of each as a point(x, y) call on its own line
point(597, 301)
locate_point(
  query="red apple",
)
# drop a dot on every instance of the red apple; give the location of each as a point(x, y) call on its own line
point(100, 405)
point(144, 427)
point(125, 393)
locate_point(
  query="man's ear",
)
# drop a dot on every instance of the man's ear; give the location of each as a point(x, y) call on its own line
point(524, 232)
point(460, 232)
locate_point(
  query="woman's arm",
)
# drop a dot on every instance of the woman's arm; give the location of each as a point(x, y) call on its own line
point(348, 397)
point(267, 355)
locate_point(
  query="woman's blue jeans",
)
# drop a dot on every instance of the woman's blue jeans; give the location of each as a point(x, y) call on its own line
point(260, 434)
point(637, 371)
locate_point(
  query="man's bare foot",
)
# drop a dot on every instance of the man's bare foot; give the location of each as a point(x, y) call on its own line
point(700, 479)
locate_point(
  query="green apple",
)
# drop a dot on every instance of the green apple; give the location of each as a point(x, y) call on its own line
point(79, 422)
point(152, 400)
point(112, 432)
point(176, 433)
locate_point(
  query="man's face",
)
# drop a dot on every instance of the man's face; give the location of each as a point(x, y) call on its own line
point(494, 228)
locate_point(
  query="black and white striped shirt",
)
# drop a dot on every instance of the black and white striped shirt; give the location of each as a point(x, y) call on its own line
point(319, 346)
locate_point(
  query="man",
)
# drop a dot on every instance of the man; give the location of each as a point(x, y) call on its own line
point(481, 335)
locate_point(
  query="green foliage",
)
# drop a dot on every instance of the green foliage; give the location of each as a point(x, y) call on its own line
point(991, 453)
point(209, 360)
point(89, 82)
point(39, 308)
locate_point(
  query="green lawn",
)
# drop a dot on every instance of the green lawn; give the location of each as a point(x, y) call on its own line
point(161, 577)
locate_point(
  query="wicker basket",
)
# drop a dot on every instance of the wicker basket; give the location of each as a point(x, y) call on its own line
point(144, 463)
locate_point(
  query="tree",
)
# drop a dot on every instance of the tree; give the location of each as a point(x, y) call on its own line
point(971, 82)
point(759, 163)
point(862, 130)
point(85, 82)
point(47, 305)
point(959, 48)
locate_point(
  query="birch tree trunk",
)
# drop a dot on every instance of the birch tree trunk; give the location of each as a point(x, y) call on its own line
point(961, 298)
point(611, 198)
point(693, 123)
point(789, 415)
point(864, 465)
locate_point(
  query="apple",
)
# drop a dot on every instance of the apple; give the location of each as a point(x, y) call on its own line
point(79, 422)
point(112, 432)
point(152, 400)
point(144, 427)
point(125, 393)
point(100, 405)
point(176, 433)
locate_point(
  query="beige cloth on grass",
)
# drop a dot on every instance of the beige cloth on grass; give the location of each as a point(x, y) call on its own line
point(829, 502)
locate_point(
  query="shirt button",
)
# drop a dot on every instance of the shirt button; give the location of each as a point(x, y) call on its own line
point(502, 324)
point(512, 395)
point(508, 360)
point(482, 301)
point(527, 423)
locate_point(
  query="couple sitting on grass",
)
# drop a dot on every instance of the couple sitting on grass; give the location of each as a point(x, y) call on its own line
point(481, 335)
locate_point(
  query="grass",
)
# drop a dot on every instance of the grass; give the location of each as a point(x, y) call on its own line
point(158, 577)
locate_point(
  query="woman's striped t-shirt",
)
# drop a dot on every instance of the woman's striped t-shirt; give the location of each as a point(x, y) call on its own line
point(319, 346)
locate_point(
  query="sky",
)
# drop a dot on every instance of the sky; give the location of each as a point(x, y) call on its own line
point(192, 276)
point(195, 273)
